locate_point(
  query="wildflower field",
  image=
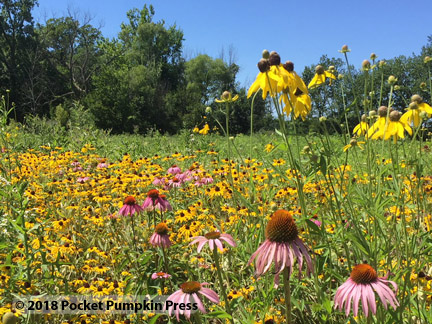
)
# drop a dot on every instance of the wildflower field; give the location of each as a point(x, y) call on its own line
point(266, 228)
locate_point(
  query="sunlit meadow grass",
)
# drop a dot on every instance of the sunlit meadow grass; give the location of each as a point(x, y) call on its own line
point(352, 204)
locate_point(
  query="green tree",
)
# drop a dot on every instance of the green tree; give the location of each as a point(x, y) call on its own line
point(16, 41)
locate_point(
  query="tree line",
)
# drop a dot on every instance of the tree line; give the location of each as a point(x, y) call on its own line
point(140, 80)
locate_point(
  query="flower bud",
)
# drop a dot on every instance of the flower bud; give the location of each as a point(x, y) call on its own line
point(263, 65)
point(322, 119)
point(332, 69)
point(265, 54)
point(424, 115)
point(381, 63)
point(353, 142)
point(274, 58)
point(345, 49)
point(423, 86)
point(289, 66)
point(373, 56)
point(208, 110)
point(396, 87)
point(306, 149)
point(340, 76)
point(392, 79)
point(372, 114)
point(9, 318)
point(366, 65)
point(417, 98)
point(427, 59)
point(319, 69)
point(364, 117)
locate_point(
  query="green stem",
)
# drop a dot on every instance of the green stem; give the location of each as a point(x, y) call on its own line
point(221, 283)
point(287, 291)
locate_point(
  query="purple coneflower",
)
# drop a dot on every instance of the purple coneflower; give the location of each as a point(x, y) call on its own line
point(188, 293)
point(213, 239)
point(160, 237)
point(165, 206)
point(360, 286)
point(281, 245)
point(153, 198)
point(174, 170)
point(130, 207)
point(174, 183)
point(160, 275)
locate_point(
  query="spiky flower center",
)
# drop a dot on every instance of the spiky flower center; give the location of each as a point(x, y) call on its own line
point(129, 200)
point(281, 228)
point(289, 66)
point(153, 194)
point(190, 287)
point(160, 274)
point(161, 229)
point(212, 235)
point(263, 65)
point(413, 105)
point(363, 274)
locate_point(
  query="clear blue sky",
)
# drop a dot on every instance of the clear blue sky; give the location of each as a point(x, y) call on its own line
point(300, 31)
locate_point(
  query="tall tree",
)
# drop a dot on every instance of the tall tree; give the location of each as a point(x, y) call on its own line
point(16, 41)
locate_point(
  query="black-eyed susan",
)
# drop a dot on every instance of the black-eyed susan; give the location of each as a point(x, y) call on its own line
point(321, 75)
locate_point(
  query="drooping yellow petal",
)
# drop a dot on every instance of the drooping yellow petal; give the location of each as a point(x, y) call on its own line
point(425, 107)
point(316, 81)
point(255, 86)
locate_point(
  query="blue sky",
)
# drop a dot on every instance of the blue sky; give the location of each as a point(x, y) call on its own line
point(299, 31)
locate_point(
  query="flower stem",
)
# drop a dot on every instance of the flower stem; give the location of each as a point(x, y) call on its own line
point(287, 290)
point(221, 283)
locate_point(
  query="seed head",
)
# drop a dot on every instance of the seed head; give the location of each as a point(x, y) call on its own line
point(382, 111)
point(281, 228)
point(263, 65)
point(345, 49)
point(366, 65)
point(363, 274)
point(274, 58)
point(372, 114)
point(392, 79)
point(289, 66)
point(364, 117)
point(373, 56)
point(265, 54)
point(427, 59)
point(394, 116)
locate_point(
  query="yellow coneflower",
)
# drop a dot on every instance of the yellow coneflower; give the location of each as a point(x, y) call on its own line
point(266, 80)
point(394, 128)
point(320, 76)
point(362, 128)
point(353, 143)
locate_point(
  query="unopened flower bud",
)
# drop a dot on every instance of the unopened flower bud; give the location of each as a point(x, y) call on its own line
point(265, 54)
point(394, 116)
point(353, 142)
point(364, 117)
point(373, 56)
point(372, 114)
point(424, 115)
point(340, 76)
point(396, 87)
point(208, 110)
point(366, 65)
point(345, 49)
point(263, 65)
point(274, 58)
point(9, 318)
point(423, 86)
point(319, 69)
point(381, 63)
point(417, 98)
point(427, 59)
point(306, 149)
point(413, 105)
point(322, 119)
point(289, 66)
point(382, 111)
point(392, 79)
point(332, 69)
point(231, 138)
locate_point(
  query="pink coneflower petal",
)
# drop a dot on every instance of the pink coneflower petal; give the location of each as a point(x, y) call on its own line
point(210, 294)
point(228, 238)
point(187, 311)
point(199, 303)
point(219, 245)
point(211, 244)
